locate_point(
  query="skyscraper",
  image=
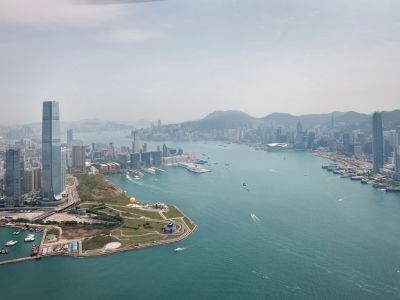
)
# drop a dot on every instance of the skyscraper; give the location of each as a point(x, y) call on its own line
point(52, 185)
point(78, 158)
point(377, 141)
point(136, 142)
point(299, 142)
point(70, 137)
point(14, 175)
point(397, 163)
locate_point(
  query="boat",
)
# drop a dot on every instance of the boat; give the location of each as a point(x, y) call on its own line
point(151, 171)
point(135, 173)
point(201, 162)
point(378, 185)
point(3, 251)
point(34, 250)
point(16, 232)
point(393, 189)
point(244, 184)
point(30, 238)
point(11, 243)
point(179, 249)
point(357, 178)
point(365, 181)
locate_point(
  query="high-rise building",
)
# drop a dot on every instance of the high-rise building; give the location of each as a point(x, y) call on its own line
point(70, 137)
point(52, 185)
point(78, 158)
point(14, 167)
point(137, 147)
point(64, 154)
point(299, 142)
point(397, 163)
point(377, 141)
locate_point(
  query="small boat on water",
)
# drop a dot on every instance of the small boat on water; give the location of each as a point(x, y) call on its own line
point(11, 243)
point(16, 232)
point(30, 238)
point(3, 251)
point(34, 250)
point(244, 184)
point(179, 249)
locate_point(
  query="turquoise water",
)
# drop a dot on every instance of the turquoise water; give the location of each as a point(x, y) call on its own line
point(298, 233)
point(21, 249)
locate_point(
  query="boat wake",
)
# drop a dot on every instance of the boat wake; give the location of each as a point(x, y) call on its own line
point(179, 249)
point(273, 171)
point(255, 218)
point(260, 274)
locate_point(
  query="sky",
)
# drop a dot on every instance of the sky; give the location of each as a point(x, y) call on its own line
point(178, 60)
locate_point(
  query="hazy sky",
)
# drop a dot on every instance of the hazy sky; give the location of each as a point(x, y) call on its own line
point(178, 60)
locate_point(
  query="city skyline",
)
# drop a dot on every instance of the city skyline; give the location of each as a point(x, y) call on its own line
point(177, 61)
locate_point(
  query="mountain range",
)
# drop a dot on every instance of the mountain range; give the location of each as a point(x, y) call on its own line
point(233, 119)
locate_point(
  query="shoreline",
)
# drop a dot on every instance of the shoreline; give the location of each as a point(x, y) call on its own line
point(93, 255)
point(187, 230)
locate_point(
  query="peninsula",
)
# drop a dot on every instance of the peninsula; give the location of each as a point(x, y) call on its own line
point(104, 221)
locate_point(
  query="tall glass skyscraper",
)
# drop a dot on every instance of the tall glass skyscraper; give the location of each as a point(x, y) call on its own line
point(14, 166)
point(377, 141)
point(52, 185)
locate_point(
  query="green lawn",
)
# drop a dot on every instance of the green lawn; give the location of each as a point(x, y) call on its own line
point(173, 212)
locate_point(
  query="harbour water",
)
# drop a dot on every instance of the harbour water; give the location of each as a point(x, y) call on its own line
point(21, 249)
point(294, 232)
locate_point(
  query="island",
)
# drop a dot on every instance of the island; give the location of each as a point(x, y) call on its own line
point(102, 221)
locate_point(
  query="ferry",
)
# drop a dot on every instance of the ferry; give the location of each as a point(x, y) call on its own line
point(393, 189)
point(194, 168)
point(11, 243)
point(135, 173)
point(30, 238)
point(201, 162)
point(151, 171)
point(346, 175)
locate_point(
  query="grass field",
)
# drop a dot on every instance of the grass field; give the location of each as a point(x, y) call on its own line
point(131, 229)
point(173, 212)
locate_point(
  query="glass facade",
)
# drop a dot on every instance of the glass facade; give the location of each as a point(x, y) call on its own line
point(52, 185)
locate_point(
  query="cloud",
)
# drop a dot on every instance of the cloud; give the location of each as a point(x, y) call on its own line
point(55, 12)
point(131, 35)
point(103, 2)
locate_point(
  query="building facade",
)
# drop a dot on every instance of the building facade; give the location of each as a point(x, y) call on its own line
point(377, 141)
point(14, 169)
point(52, 185)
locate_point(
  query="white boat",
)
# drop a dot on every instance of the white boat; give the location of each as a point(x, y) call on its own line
point(16, 232)
point(30, 238)
point(151, 171)
point(11, 243)
point(179, 249)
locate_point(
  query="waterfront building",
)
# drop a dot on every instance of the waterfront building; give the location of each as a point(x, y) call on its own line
point(78, 158)
point(377, 141)
point(397, 163)
point(52, 185)
point(14, 167)
point(165, 152)
point(135, 161)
